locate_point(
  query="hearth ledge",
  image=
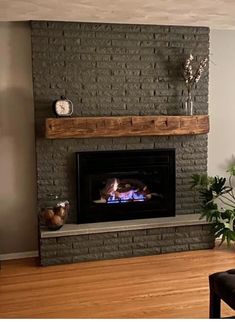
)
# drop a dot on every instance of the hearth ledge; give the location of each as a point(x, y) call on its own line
point(105, 227)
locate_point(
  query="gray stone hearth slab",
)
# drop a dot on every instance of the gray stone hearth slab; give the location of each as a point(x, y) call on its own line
point(82, 229)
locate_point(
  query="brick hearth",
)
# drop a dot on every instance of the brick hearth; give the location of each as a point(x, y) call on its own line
point(76, 243)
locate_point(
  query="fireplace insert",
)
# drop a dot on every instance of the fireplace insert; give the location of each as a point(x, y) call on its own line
point(119, 185)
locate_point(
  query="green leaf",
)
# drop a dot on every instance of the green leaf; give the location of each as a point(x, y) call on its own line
point(231, 170)
point(200, 180)
point(211, 215)
point(218, 185)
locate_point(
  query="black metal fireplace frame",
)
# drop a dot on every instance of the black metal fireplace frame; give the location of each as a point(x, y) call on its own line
point(85, 162)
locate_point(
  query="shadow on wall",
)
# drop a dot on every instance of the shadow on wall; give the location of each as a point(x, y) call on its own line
point(227, 163)
point(18, 229)
point(174, 68)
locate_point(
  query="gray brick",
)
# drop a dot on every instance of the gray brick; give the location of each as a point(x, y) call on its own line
point(95, 27)
point(140, 239)
point(56, 261)
point(117, 254)
point(146, 251)
point(127, 233)
point(198, 246)
point(126, 28)
point(126, 58)
point(78, 34)
point(181, 241)
point(157, 231)
point(88, 257)
point(65, 252)
point(101, 249)
point(39, 25)
point(183, 30)
point(124, 247)
point(140, 232)
point(88, 243)
point(192, 228)
point(154, 237)
point(47, 248)
point(125, 72)
point(48, 241)
point(111, 241)
point(102, 236)
point(65, 246)
point(155, 29)
point(79, 238)
point(47, 32)
point(199, 233)
point(107, 35)
point(48, 254)
point(159, 243)
point(80, 251)
point(168, 236)
point(182, 235)
point(125, 43)
point(140, 36)
point(64, 240)
point(111, 248)
point(175, 248)
point(96, 42)
point(125, 240)
point(139, 245)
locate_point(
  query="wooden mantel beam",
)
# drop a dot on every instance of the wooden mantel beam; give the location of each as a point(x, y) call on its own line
point(119, 126)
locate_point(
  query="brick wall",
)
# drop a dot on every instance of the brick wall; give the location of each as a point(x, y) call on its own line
point(72, 249)
point(116, 69)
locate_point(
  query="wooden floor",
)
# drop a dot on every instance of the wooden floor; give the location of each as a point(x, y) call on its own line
point(161, 286)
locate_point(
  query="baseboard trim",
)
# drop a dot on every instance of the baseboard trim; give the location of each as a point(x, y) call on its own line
point(18, 255)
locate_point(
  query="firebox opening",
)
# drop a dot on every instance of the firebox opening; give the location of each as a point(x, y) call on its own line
point(119, 185)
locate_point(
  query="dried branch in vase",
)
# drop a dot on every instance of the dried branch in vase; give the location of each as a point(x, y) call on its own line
point(190, 77)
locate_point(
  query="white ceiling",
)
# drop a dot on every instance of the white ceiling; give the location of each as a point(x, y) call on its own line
point(217, 14)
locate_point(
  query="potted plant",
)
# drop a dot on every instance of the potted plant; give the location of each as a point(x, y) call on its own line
point(218, 203)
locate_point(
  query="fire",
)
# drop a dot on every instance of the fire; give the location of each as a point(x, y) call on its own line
point(123, 190)
point(115, 185)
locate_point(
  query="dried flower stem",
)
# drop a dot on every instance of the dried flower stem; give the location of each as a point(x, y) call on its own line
point(190, 78)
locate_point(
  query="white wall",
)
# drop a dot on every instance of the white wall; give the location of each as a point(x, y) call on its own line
point(221, 101)
point(18, 219)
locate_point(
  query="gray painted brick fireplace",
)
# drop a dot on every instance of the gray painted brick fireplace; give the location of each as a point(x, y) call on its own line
point(115, 69)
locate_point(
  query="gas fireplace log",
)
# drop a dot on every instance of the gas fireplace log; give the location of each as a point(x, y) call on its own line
point(124, 189)
point(109, 188)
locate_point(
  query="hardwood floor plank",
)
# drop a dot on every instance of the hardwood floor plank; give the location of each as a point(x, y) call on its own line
point(162, 286)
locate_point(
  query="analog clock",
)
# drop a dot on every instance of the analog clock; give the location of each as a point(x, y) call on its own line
point(63, 107)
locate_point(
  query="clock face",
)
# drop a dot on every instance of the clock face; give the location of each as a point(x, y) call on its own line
point(63, 107)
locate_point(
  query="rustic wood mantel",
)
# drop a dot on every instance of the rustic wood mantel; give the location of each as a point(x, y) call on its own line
point(119, 126)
